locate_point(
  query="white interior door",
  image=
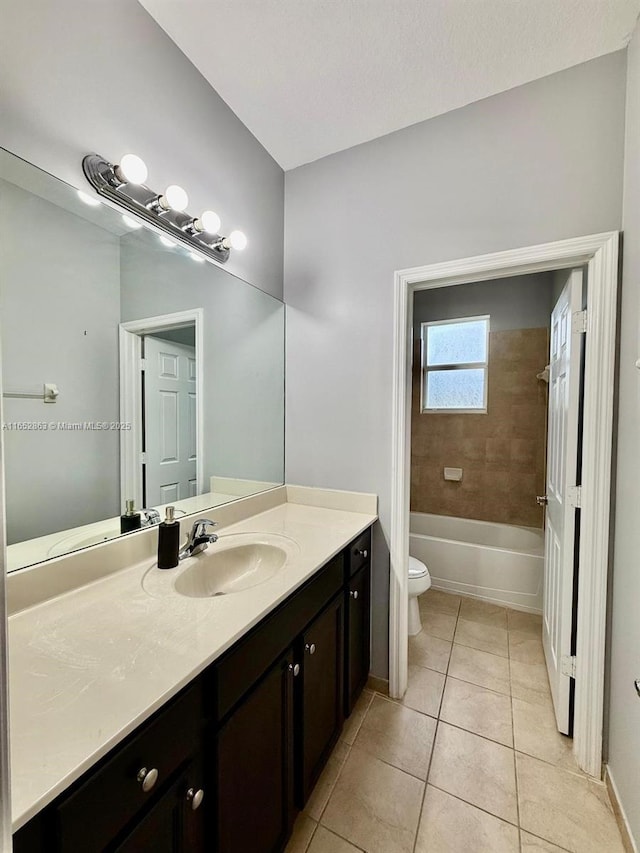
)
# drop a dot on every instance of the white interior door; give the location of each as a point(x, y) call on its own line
point(562, 466)
point(170, 421)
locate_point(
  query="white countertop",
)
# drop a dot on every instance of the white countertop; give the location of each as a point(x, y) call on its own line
point(87, 667)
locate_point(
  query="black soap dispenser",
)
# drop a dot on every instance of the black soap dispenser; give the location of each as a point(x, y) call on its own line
point(131, 520)
point(168, 541)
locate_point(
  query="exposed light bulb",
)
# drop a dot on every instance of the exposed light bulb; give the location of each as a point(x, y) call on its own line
point(210, 222)
point(237, 240)
point(176, 198)
point(132, 169)
point(131, 223)
point(195, 257)
point(167, 242)
point(92, 201)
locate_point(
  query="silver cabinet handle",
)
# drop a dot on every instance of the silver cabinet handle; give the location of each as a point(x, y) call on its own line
point(311, 648)
point(364, 553)
point(147, 778)
point(294, 668)
point(354, 593)
point(195, 797)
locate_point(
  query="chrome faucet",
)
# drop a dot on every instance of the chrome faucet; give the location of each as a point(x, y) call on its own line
point(198, 539)
point(149, 517)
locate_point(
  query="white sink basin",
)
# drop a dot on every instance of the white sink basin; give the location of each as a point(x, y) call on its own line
point(235, 563)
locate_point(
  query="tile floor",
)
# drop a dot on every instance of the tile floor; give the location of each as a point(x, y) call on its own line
point(469, 762)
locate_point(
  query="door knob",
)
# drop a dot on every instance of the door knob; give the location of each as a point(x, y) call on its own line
point(294, 668)
point(195, 797)
point(354, 593)
point(311, 648)
point(542, 500)
point(637, 685)
point(147, 778)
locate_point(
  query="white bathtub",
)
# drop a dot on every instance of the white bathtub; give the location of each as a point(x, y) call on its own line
point(501, 563)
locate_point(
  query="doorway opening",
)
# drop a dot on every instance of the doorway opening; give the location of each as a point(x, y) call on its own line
point(161, 384)
point(598, 254)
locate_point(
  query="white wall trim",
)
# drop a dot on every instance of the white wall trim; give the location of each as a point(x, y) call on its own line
point(600, 253)
point(131, 397)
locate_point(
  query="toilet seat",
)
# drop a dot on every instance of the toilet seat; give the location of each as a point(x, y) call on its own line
point(417, 569)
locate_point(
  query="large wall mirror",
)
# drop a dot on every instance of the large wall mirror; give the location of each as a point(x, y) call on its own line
point(164, 373)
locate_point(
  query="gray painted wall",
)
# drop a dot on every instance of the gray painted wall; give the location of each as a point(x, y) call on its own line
point(517, 302)
point(540, 162)
point(136, 91)
point(243, 352)
point(624, 704)
point(59, 314)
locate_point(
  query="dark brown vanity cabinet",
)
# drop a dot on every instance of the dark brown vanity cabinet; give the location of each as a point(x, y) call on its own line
point(320, 707)
point(252, 759)
point(357, 619)
point(225, 765)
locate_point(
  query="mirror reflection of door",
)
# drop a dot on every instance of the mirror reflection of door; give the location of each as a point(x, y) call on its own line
point(169, 416)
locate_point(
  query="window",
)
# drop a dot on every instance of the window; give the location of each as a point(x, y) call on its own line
point(455, 355)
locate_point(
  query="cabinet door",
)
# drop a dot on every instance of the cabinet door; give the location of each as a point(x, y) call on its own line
point(254, 767)
point(358, 640)
point(175, 823)
point(320, 694)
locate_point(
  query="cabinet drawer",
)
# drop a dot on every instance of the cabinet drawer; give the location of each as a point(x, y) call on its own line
point(252, 656)
point(102, 806)
point(360, 551)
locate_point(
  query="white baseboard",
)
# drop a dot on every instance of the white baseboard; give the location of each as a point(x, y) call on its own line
point(618, 809)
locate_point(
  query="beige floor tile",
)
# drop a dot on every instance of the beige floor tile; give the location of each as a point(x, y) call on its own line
point(531, 844)
point(529, 623)
point(530, 682)
point(525, 648)
point(448, 825)
point(352, 725)
point(303, 830)
point(481, 668)
point(398, 735)
point(477, 710)
point(424, 690)
point(324, 786)
point(325, 841)
point(476, 770)
point(474, 610)
point(445, 602)
point(487, 638)
point(565, 808)
point(432, 652)
point(438, 624)
point(536, 733)
point(374, 805)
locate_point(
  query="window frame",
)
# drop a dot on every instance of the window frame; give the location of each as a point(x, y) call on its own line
point(425, 369)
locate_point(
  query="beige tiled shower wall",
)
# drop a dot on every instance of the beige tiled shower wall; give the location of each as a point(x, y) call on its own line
point(502, 453)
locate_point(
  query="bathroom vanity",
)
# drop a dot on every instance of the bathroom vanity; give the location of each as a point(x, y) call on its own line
point(225, 763)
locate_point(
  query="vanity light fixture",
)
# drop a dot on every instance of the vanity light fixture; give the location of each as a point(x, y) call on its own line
point(124, 185)
point(132, 170)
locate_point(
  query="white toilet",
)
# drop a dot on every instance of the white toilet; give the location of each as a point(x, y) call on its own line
point(419, 582)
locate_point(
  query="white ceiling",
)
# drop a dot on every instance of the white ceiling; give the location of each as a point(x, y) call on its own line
point(311, 77)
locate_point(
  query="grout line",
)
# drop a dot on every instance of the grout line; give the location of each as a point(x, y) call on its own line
point(435, 734)
point(513, 735)
point(473, 805)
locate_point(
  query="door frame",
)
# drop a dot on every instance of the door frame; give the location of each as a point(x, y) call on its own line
point(599, 252)
point(131, 334)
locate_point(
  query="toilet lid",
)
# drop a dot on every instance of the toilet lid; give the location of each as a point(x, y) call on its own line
point(416, 568)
